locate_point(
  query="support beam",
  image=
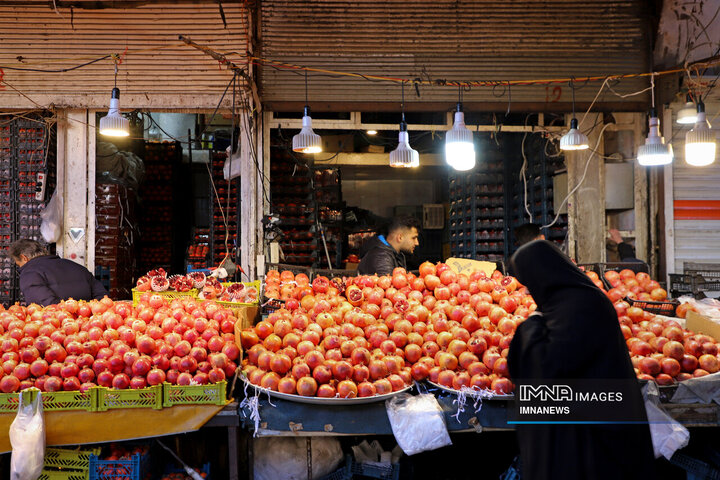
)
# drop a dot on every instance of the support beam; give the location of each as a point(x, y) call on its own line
point(642, 205)
point(372, 159)
point(76, 181)
point(586, 207)
point(248, 197)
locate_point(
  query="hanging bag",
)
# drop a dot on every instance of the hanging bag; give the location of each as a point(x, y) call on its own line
point(27, 437)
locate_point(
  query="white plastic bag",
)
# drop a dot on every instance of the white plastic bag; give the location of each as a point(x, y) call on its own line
point(52, 219)
point(233, 165)
point(668, 435)
point(27, 437)
point(417, 422)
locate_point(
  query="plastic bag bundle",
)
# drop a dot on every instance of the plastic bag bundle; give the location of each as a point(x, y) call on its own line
point(287, 458)
point(417, 422)
point(52, 219)
point(27, 437)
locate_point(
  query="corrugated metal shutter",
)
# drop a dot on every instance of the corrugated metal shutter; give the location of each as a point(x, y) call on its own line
point(158, 70)
point(450, 40)
point(696, 240)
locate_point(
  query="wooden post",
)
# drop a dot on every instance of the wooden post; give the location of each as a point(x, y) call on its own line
point(643, 220)
point(586, 206)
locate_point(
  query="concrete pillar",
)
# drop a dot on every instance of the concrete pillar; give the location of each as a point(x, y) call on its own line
point(76, 185)
point(586, 206)
point(251, 194)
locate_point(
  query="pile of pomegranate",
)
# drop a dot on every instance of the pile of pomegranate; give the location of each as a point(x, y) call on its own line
point(157, 281)
point(76, 345)
point(370, 335)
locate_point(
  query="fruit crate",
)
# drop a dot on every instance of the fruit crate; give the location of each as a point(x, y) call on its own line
point(589, 267)
point(73, 459)
point(682, 284)
point(708, 271)
point(696, 469)
point(352, 468)
point(169, 295)
point(171, 470)
point(255, 285)
point(9, 402)
point(666, 308)
point(63, 475)
point(295, 269)
point(111, 399)
point(331, 273)
point(636, 267)
point(133, 469)
point(210, 394)
point(55, 401)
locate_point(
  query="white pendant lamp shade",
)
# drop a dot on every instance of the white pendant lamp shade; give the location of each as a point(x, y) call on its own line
point(687, 115)
point(404, 155)
point(307, 141)
point(574, 139)
point(459, 146)
point(113, 124)
point(655, 151)
point(700, 141)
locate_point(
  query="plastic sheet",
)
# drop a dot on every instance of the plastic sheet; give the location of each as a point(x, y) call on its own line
point(27, 436)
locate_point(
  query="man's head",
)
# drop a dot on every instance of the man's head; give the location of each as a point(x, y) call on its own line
point(526, 233)
point(403, 234)
point(24, 250)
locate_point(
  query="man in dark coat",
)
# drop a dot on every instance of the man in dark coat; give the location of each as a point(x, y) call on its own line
point(47, 279)
point(575, 336)
point(383, 254)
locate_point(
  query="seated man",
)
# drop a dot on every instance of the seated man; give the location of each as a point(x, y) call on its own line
point(48, 279)
point(383, 254)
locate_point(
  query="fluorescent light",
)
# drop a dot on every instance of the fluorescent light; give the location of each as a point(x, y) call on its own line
point(700, 141)
point(574, 139)
point(404, 155)
point(459, 146)
point(307, 141)
point(371, 132)
point(687, 115)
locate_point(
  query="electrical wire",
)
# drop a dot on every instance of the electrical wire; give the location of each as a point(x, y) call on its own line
point(582, 179)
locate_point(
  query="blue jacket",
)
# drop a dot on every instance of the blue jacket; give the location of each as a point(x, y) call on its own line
point(48, 279)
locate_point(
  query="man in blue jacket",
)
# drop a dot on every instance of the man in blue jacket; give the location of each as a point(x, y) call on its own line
point(48, 279)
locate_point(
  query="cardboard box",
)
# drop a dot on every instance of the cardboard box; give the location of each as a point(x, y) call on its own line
point(701, 324)
point(338, 143)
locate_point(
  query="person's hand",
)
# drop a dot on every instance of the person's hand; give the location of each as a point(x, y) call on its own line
point(615, 235)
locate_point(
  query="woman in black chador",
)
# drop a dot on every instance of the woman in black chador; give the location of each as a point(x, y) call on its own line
point(575, 336)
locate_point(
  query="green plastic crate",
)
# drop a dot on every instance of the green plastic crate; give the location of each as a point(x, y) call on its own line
point(63, 475)
point(53, 401)
point(73, 459)
point(212, 394)
point(109, 399)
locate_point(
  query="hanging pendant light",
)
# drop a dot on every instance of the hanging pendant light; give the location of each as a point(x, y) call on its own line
point(700, 141)
point(307, 141)
point(459, 145)
point(687, 115)
point(655, 151)
point(404, 155)
point(574, 139)
point(114, 124)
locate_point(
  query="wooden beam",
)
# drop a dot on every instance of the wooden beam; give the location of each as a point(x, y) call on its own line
point(372, 159)
point(558, 107)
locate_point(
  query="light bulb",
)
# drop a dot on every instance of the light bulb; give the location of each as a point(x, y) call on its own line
point(655, 151)
point(307, 141)
point(404, 155)
point(574, 139)
point(114, 124)
point(459, 146)
point(700, 141)
point(687, 115)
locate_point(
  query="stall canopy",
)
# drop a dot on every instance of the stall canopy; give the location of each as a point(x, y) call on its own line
point(155, 69)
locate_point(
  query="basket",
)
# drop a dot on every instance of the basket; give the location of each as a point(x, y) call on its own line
point(694, 467)
point(170, 469)
point(211, 394)
point(111, 399)
point(9, 402)
point(691, 284)
point(390, 472)
point(708, 271)
point(169, 295)
point(589, 267)
point(666, 308)
point(133, 469)
point(67, 458)
point(63, 475)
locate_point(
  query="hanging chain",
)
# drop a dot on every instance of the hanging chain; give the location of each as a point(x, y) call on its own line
point(652, 88)
point(572, 87)
point(402, 102)
point(306, 88)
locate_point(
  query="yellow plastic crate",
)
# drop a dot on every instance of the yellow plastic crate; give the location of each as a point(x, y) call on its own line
point(55, 401)
point(63, 475)
point(210, 394)
point(110, 398)
point(73, 459)
point(9, 401)
point(169, 295)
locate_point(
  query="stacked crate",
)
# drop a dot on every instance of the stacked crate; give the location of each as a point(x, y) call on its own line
point(156, 205)
point(328, 199)
point(23, 181)
point(229, 209)
point(115, 233)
